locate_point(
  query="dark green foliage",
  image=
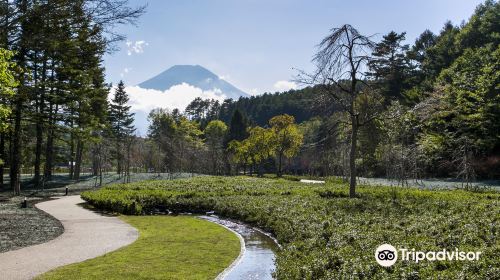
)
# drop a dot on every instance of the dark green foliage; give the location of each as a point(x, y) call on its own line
point(482, 28)
point(203, 111)
point(120, 117)
point(255, 110)
point(178, 140)
point(259, 109)
point(122, 128)
point(443, 52)
point(237, 127)
point(466, 110)
point(460, 114)
point(390, 65)
point(326, 235)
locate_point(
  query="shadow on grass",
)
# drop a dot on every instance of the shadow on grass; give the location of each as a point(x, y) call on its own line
point(105, 213)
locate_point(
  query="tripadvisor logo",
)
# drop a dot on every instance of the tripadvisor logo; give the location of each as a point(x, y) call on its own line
point(386, 255)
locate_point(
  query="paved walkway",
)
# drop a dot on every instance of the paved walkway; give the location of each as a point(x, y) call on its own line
point(86, 236)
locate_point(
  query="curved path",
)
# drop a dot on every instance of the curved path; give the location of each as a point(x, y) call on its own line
point(86, 235)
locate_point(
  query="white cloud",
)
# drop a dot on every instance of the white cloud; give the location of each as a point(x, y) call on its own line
point(142, 101)
point(136, 47)
point(285, 85)
point(125, 71)
point(254, 91)
point(178, 96)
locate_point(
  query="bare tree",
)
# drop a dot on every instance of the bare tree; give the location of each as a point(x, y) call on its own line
point(463, 159)
point(129, 142)
point(341, 63)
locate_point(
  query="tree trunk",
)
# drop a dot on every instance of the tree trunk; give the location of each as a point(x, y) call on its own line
point(78, 159)
point(129, 147)
point(118, 160)
point(352, 157)
point(100, 170)
point(95, 160)
point(5, 44)
point(2, 157)
point(280, 158)
point(49, 149)
point(38, 130)
point(72, 157)
point(38, 152)
point(214, 163)
point(16, 148)
point(39, 125)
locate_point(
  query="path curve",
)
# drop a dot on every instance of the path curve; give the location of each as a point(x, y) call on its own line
point(86, 235)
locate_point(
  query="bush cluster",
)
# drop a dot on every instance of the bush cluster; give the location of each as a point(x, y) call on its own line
point(326, 235)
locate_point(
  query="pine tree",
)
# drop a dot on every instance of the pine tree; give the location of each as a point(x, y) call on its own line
point(121, 120)
point(237, 127)
point(389, 65)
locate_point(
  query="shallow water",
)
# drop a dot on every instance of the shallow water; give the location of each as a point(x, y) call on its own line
point(257, 262)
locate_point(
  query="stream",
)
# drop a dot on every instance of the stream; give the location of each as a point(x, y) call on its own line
point(257, 261)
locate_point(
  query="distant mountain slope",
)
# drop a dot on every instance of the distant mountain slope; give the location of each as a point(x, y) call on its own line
point(194, 75)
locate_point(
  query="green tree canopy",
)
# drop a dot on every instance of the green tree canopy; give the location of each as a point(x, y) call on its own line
point(287, 138)
point(390, 65)
point(7, 83)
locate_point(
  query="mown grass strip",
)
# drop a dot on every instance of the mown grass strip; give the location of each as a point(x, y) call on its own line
point(168, 247)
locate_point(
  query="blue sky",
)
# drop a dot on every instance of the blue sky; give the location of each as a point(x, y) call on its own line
point(255, 44)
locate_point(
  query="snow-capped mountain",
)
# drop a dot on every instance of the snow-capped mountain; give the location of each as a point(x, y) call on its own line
point(176, 88)
point(193, 75)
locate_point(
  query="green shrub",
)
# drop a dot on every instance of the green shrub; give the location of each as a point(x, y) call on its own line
point(325, 234)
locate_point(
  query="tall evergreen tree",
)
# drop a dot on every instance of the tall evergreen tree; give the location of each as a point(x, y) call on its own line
point(442, 54)
point(389, 65)
point(121, 120)
point(237, 127)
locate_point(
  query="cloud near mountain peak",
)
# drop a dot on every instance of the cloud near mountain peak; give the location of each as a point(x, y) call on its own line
point(285, 85)
point(178, 96)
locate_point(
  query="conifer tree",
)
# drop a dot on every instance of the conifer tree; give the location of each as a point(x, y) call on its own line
point(122, 128)
point(237, 127)
point(390, 65)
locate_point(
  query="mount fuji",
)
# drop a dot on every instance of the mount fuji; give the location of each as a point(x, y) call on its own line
point(176, 87)
point(193, 75)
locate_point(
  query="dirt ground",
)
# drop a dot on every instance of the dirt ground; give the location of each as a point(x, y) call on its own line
point(21, 227)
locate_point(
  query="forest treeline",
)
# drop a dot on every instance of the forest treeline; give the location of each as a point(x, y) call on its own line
point(386, 108)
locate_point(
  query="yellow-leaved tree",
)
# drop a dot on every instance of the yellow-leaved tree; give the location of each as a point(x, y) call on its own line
point(7, 83)
point(287, 138)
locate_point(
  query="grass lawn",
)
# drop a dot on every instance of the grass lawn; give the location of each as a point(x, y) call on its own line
point(169, 247)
